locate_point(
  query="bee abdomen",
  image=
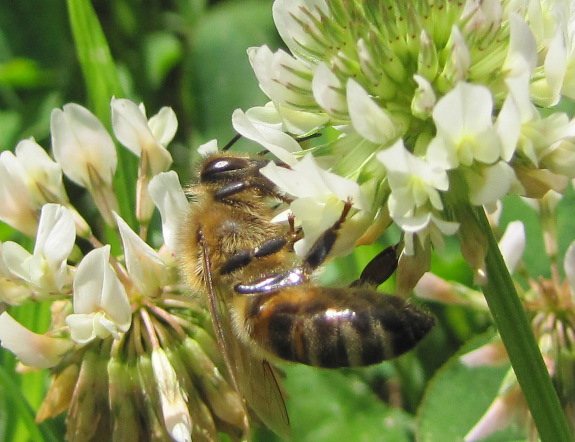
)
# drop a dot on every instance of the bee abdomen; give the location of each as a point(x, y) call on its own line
point(331, 327)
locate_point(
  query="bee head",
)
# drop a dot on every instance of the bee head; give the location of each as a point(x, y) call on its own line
point(227, 168)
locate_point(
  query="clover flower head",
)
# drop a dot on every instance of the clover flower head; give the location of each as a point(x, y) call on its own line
point(134, 349)
point(456, 85)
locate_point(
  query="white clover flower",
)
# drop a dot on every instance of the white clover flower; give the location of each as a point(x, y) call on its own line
point(43, 175)
point(82, 147)
point(465, 130)
point(320, 196)
point(86, 153)
point(145, 267)
point(369, 120)
point(45, 271)
point(123, 325)
point(172, 397)
point(32, 349)
point(171, 201)
point(101, 305)
point(274, 140)
point(143, 137)
point(414, 182)
point(18, 209)
point(146, 139)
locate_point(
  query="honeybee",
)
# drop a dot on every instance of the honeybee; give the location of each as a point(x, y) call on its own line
point(263, 303)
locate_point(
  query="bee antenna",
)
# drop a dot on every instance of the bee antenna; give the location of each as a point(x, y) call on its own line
point(308, 137)
point(231, 142)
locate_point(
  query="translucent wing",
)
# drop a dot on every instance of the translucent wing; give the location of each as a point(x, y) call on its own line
point(253, 377)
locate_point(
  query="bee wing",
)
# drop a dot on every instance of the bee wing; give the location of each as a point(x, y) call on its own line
point(262, 391)
point(252, 377)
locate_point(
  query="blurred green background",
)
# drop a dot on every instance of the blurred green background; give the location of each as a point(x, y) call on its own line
point(191, 55)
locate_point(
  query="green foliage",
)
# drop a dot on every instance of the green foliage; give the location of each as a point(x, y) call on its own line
point(457, 397)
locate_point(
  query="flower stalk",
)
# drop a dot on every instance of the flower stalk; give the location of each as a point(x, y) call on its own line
point(519, 341)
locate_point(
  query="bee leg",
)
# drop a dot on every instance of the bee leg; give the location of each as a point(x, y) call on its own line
point(321, 249)
point(379, 269)
point(233, 188)
point(315, 257)
point(239, 186)
point(266, 248)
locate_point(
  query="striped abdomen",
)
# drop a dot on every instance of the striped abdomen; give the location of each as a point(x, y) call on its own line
point(331, 327)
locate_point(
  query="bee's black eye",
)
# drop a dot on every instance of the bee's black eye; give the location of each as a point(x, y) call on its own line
point(220, 168)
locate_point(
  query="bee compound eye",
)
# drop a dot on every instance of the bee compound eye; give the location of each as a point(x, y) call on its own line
point(222, 168)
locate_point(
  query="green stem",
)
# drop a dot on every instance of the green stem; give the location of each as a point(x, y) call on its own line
point(517, 335)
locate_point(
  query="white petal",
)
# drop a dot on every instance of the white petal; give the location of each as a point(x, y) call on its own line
point(508, 127)
point(208, 148)
point(489, 184)
point(31, 348)
point(445, 227)
point(145, 267)
point(466, 109)
point(512, 244)
point(395, 158)
point(522, 55)
point(171, 201)
point(307, 180)
point(16, 260)
point(82, 328)
point(164, 125)
point(97, 288)
point(555, 69)
point(18, 209)
point(131, 126)
point(370, 120)
point(282, 77)
point(299, 122)
point(288, 15)
point(172, 397)
point(460, 60)
point(80, 143)
point(424, 98)
point(277, 142)
point(56, 234)
point(414, 224)
point(41, 171)
point(328, 91)
point(89, 280)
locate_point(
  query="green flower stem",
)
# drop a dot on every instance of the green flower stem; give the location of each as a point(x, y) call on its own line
point(102, 83)
point(517, 335)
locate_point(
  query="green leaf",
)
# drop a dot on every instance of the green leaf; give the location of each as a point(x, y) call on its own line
point(328, 405)
point(458, 396)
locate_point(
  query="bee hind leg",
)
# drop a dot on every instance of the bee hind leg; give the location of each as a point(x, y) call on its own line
point(379, 269)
